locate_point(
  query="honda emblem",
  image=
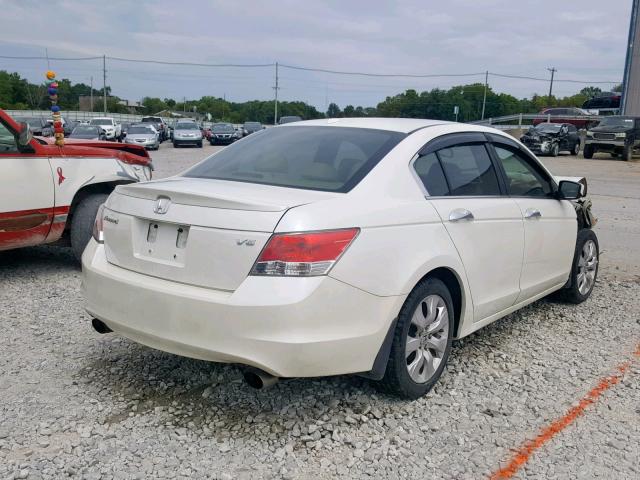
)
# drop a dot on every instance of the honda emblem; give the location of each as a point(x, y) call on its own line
point(162, 205)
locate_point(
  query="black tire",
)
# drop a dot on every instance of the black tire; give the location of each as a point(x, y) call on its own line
point(572, 294)
point(82, 221)
point(588, 151)
point(576, 148)
point(175, 145)
point(627, 153)
point(397, 379)
point(555, 150)
point(200, 145)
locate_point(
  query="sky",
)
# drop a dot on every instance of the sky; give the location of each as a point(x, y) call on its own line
point(584, 40)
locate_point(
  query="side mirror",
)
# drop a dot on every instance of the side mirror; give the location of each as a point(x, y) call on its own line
point(569, 190)
point(24, 137)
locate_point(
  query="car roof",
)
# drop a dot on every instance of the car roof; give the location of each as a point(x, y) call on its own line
point(403, 125)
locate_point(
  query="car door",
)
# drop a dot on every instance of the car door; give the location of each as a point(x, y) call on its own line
point(485, 225)
point(26, 194)
point(550, 225)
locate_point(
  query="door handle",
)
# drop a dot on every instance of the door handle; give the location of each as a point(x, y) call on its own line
point(532, 213)
point(460, 214)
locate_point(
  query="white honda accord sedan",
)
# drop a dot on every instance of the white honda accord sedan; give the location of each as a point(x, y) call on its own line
point(339, 246)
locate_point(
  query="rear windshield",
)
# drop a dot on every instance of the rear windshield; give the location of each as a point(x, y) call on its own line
point(332, 159)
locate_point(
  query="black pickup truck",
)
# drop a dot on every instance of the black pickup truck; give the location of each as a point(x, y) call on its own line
point(618, 135)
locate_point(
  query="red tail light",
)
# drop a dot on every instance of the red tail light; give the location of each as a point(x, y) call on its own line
point(303, 254)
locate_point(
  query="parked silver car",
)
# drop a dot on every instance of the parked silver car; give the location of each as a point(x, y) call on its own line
point(187, 133)
point(145, 135)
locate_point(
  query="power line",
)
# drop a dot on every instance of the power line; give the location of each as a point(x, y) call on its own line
point(367, 74)
point(309, 69)
point(192, 64)
point(62, 59)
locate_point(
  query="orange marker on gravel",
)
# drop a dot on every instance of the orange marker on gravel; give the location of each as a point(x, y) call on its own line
point(523, 454)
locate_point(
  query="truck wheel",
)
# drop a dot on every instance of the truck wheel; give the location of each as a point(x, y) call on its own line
point(82, 221)
point(588, 151)
point(627, 153)
point(576, 148)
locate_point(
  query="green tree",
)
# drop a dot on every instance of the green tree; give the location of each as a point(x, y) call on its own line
point(333, 111)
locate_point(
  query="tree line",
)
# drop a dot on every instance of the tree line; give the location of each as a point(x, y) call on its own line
point(18, 93)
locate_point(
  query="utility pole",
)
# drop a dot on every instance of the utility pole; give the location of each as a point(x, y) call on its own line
point(553, 71)
point(484, 98)
point(276, 88)
point(104, 84)
point(91, 94)
point(184, 104)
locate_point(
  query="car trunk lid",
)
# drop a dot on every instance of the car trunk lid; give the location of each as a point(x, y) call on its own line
point(195, 231)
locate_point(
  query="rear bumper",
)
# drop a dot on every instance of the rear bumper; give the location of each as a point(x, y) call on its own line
point(289, 327)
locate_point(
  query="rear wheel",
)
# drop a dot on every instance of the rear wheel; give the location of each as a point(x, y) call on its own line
point(584, 270)
point(82, 221)
point(588, 151)
point(421, 342)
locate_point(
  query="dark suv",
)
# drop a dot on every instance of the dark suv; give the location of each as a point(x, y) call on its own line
point(618, 135)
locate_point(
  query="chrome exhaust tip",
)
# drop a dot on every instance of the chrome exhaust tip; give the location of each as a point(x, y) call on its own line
point(259, 379)
point(99, 326)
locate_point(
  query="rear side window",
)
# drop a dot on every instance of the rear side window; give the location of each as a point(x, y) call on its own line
point(469, 171)
point(430, 172)
point(332, 159)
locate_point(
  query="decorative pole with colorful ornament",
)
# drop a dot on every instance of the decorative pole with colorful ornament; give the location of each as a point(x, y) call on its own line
point(52, 89)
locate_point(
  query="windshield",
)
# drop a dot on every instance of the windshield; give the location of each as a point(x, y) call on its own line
point(223, 129)
point(85, 130)
point(548, 128)
point(187, 126)
point(332, 159)
point(140, 131)
point(101, 121)
point(616, 122)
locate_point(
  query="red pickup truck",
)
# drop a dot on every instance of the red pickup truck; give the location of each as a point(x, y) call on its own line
point(50, 194)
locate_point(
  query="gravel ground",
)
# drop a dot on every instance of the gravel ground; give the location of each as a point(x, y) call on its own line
point(77, 404)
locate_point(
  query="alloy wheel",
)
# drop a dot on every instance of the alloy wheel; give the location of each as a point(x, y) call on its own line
point(427, 338)
point(587, 267)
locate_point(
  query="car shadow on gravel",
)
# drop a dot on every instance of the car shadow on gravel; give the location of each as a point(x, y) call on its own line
point(140, 381)
point(41, 258)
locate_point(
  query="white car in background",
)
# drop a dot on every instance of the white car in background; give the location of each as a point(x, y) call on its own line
point(339, 246)
point(112, 129)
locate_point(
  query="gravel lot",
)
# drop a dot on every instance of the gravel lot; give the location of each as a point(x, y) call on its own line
point(77, 404)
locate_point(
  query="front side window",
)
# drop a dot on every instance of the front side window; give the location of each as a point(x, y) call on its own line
point(332, 159)
point(7, 140)
point(523, 179)
point(469, 171)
